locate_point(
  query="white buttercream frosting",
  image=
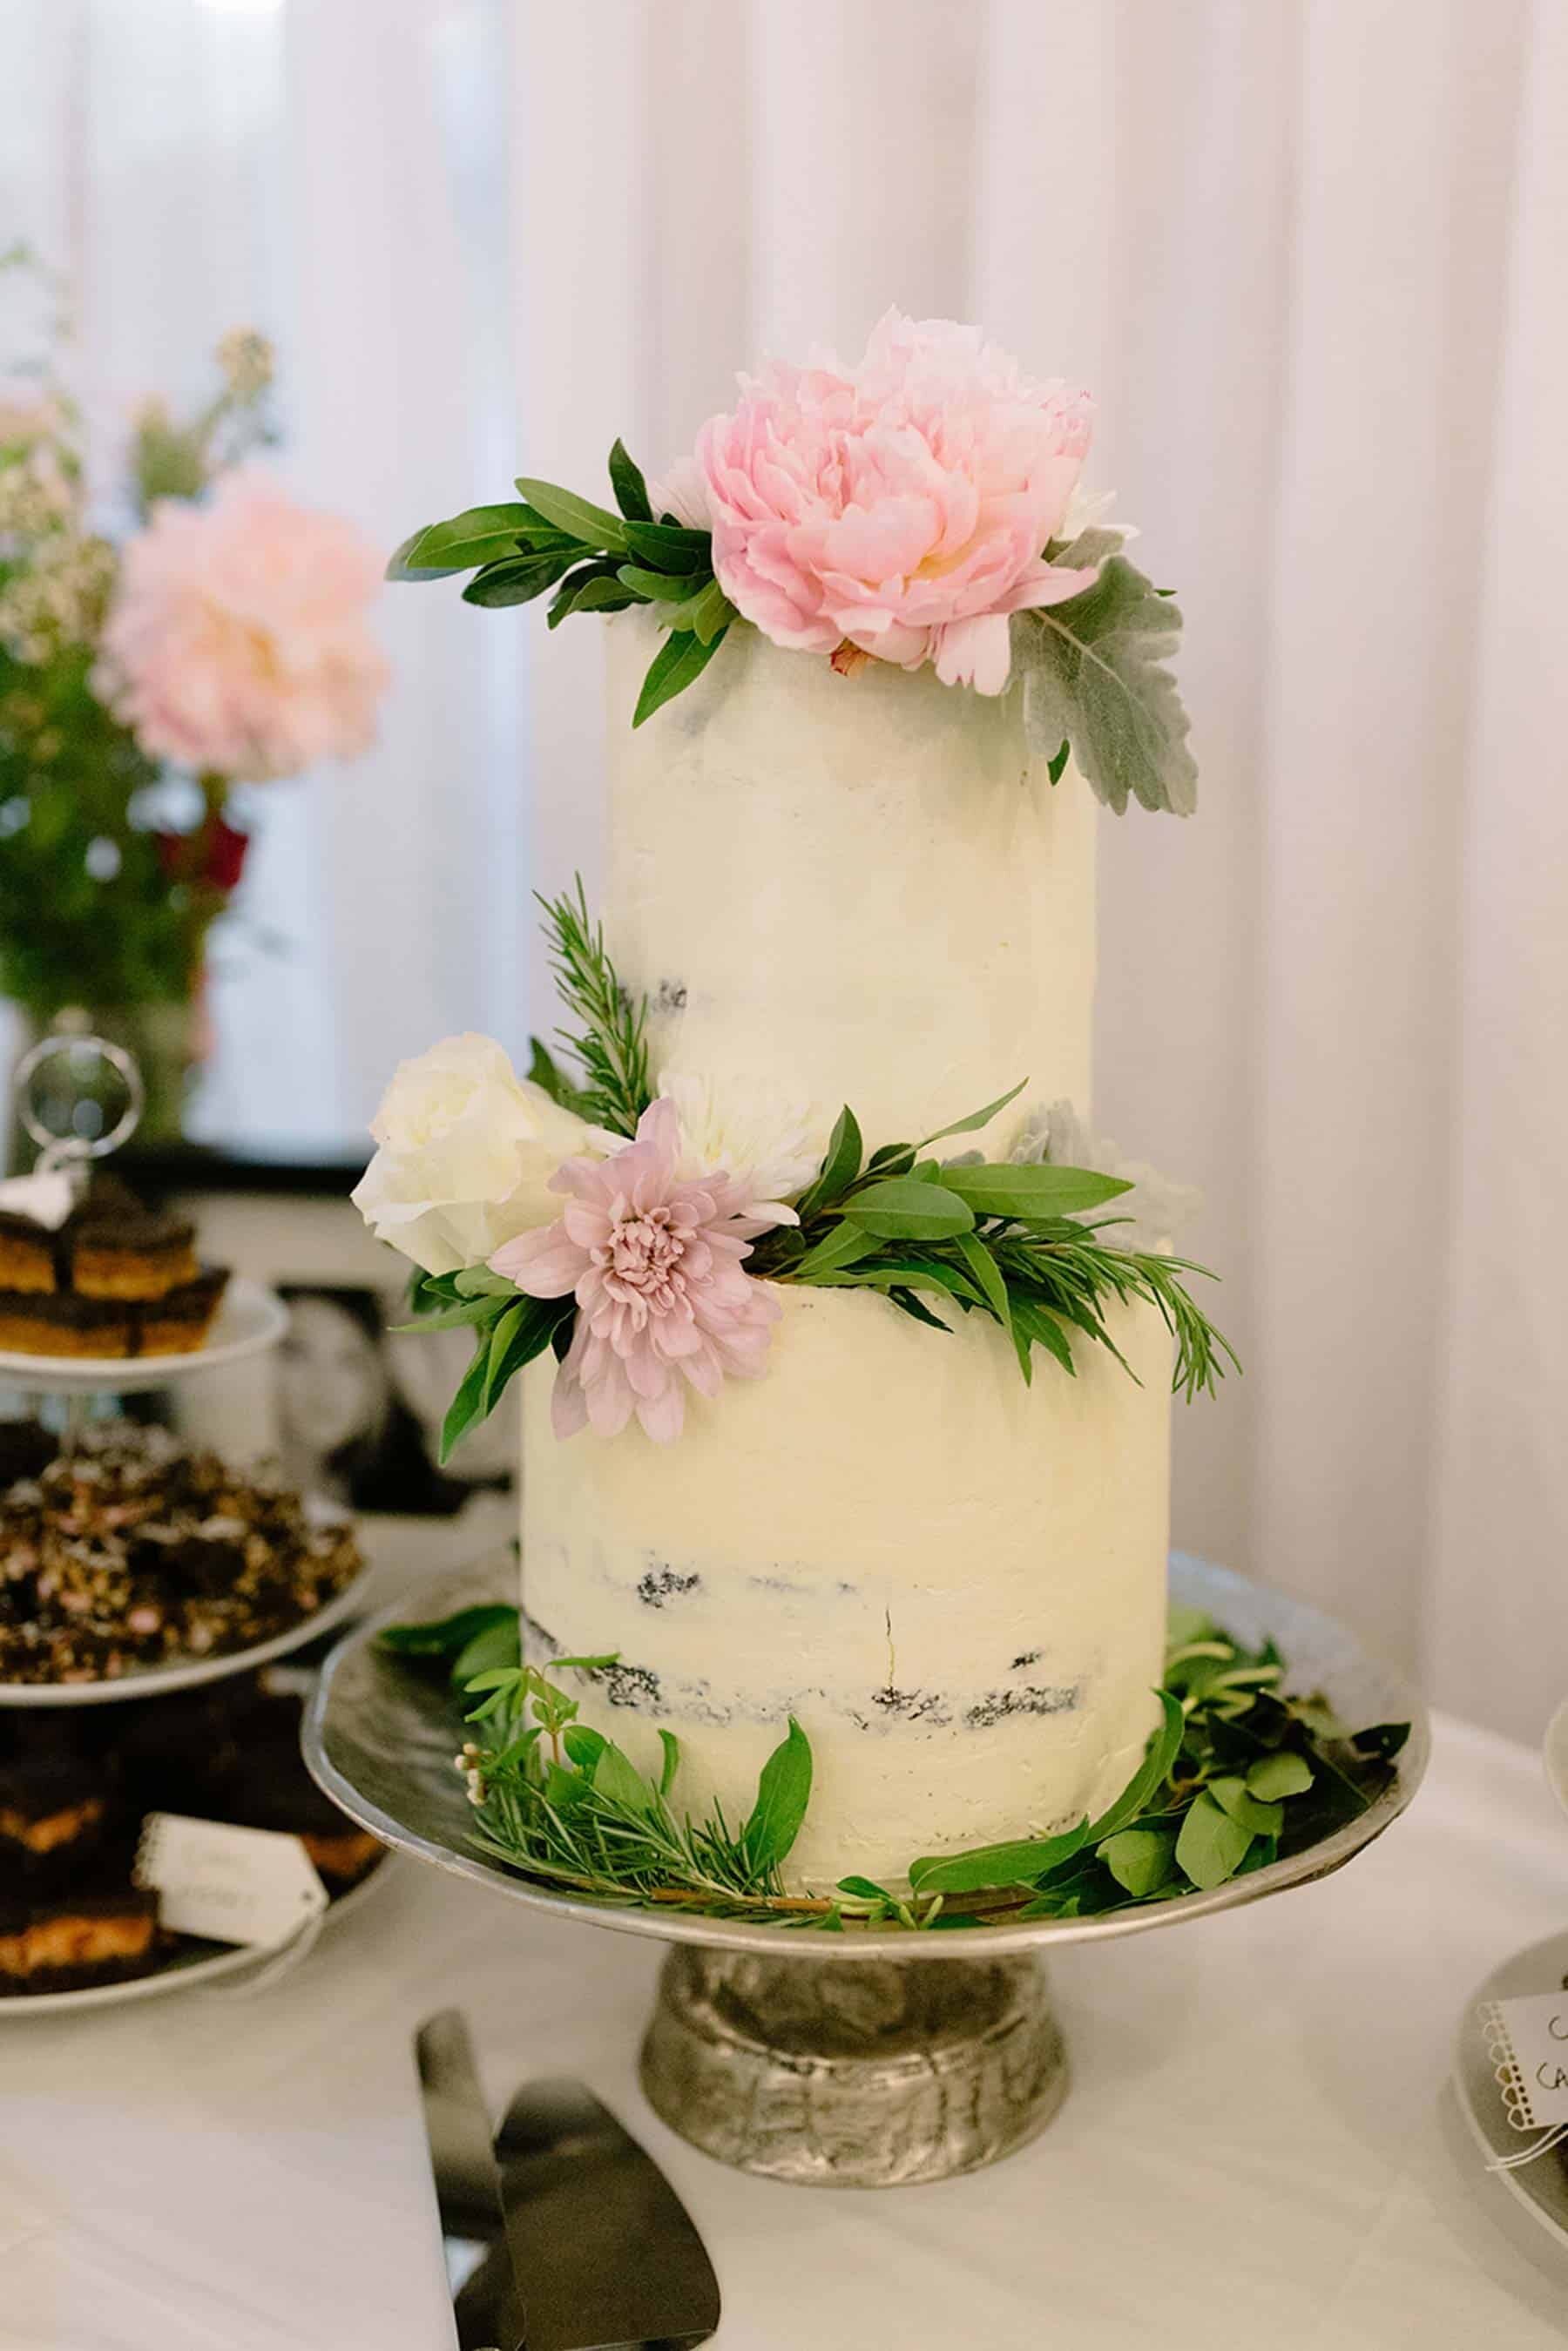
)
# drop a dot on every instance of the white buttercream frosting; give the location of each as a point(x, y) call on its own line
point(861, 890)
point(863, 887)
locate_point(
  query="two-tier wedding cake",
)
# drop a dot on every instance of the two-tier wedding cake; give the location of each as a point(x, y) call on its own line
point(871, 660)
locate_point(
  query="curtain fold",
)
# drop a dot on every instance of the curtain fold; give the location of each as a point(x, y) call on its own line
point(1310, 255)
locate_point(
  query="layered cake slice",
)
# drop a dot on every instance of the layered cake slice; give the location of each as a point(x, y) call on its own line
point(113, 1279)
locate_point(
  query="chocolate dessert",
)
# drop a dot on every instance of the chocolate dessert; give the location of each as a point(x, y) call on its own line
point(115, 1279)
point(133, 1550)
point(55, 1803)
point(120, 1249)
point(26, 1255)
point(91, 1934)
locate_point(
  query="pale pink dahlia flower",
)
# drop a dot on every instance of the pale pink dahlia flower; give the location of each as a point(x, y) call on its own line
point(903, 505)
point(656, 1267)
point(237, 643)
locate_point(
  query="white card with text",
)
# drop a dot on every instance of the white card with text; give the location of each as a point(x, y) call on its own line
point(1528, 2042)
point(228, 1884)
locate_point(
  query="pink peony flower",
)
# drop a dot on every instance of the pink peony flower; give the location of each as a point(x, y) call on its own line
point(904, 506)
point(655, 1265)
point(237, 642)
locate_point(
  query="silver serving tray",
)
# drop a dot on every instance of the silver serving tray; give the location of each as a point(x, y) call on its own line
point(380, 1739)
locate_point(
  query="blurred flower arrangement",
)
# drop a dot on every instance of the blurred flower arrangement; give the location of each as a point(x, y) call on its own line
point(193, 630)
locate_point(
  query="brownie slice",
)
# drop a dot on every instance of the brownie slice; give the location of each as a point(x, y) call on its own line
point(120, 1249)
point(27, 1449)
point(54, 1803)
point(177, 1323)
point(26, 1254)
point(90, 1935)
point(59, 1322)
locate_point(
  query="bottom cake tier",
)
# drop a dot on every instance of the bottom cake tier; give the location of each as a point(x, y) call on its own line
point(956, 1584)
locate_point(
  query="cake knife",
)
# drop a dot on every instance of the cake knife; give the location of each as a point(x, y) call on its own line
point(603, 2252)
point(467, 2187)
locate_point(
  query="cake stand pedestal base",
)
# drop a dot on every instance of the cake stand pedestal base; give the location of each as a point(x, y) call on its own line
point(855, 2073)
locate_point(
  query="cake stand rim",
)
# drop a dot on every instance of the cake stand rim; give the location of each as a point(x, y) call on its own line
point(767, 1941)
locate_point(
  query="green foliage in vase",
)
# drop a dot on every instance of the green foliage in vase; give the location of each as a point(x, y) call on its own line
point(109, 880)
point(1238, 1773)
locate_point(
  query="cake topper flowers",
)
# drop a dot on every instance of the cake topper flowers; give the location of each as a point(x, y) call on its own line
point(662, 1270)
point(922, 505)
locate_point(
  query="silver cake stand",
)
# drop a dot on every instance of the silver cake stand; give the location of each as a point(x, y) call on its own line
point(864, 2059)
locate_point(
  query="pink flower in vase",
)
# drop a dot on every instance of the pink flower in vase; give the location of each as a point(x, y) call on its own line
point(655, 1266)
point(902, 505)
point(237, 643)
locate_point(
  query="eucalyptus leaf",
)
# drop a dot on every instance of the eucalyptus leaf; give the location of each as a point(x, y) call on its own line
point(1274, 1777)
point(590, 525)
point(783, 1792)
point(1210, 1846)
point(1141, 1860)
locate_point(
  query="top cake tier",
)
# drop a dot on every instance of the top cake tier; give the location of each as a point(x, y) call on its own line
point(863, 889)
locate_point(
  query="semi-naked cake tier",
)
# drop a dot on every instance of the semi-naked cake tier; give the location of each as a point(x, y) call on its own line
point(863, 890)
point(860, 890)
point(954, 1582)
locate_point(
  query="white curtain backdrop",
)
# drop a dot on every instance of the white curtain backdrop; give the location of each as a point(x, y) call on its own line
point(1310, 256)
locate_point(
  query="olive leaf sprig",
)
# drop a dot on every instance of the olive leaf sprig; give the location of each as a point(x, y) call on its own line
point(596, 560)
point(1000, 1240)
point(1240, 1773)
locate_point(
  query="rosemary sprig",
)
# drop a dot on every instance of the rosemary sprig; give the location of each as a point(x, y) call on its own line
point(609, 1039)
point(1239, 1773)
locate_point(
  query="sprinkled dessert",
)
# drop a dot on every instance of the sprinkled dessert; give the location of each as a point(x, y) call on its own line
point(134, 1550)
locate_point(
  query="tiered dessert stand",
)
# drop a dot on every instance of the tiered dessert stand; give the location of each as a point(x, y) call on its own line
point(863, 2059)
point(250, 1320)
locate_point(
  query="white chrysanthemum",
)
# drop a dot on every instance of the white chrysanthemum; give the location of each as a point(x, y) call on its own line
point(1155, 1207)
point(742, 1128)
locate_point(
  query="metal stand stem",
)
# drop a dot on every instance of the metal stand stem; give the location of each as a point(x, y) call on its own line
point(854, 2072)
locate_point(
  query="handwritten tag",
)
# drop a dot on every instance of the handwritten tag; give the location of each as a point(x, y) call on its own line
point(1528, 2042)
point(228, 1884)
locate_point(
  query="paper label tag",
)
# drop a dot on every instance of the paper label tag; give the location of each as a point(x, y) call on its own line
point(228, 1884)
point(1528, 2042)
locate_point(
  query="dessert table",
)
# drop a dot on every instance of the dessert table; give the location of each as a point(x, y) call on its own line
point(1263, 2149)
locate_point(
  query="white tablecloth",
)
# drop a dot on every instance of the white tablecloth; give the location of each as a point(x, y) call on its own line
point(1253, 2152)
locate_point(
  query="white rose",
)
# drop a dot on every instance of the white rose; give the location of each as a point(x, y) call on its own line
point(466, 1151)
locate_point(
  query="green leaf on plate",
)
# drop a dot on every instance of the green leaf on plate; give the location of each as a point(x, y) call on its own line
point(1164, 1746)
point(1020, 1863)
point(1274, 1777)
point(1211, 1846)
point(1232, 1795)
point(1141, 1860)
point(783, 1792)
point(446, 1636)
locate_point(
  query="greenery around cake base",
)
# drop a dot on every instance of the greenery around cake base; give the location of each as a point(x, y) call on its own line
point(1240, 1772)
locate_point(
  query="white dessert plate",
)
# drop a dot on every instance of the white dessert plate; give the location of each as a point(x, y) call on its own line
point(1557, 1754)
point(250, 1319)
point(1539, 2189)
point(156, 1681)
point(188, 1972)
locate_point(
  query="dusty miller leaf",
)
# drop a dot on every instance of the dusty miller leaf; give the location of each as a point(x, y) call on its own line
point(1093, 670)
